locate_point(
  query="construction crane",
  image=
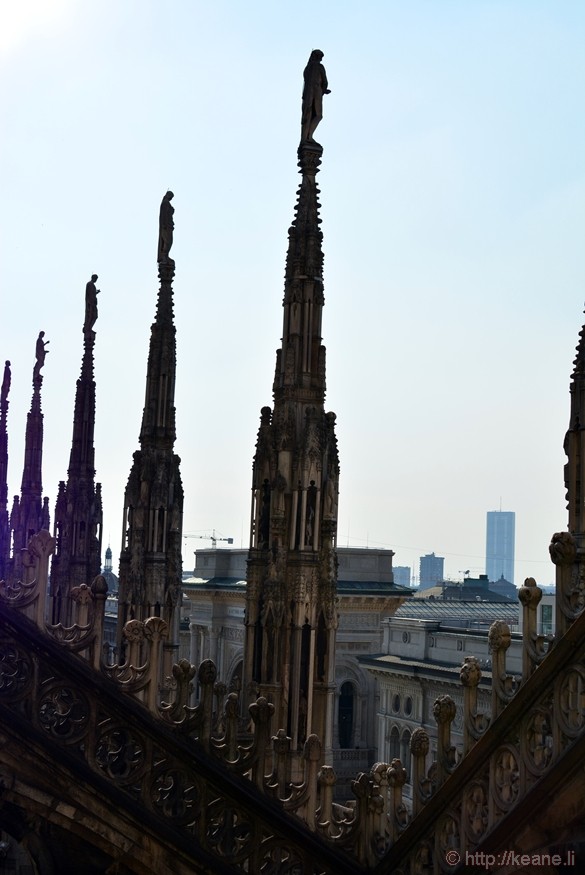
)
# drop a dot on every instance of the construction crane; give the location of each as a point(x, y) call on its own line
point(213, 538)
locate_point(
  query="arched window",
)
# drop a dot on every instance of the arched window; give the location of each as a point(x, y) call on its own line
point(405, 752)
point(394, 744)
point(235, 684)
point(346, 706)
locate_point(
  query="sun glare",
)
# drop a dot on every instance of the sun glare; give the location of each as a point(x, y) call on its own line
point(31, 19)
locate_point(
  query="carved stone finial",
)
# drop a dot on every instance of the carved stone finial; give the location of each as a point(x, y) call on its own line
point(312, 748)
point(155, 629)
point(396, 774)
point(315, 87)
point(470, 672)
point(184, 671)
point(327, 776)
point(530, 594)
point(419, 742)
point(499, 636)
point(134, 630)
point(99, 586)
point(444, 709)
point(281, 742)
point(165, 228)
point(562, 548)
point(207, 672)
point(261, 711)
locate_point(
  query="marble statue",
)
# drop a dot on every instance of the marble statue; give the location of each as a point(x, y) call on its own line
point(5, 382)
point(91, 311)
point(314, 88)
point(166, 227)
point(40, 352)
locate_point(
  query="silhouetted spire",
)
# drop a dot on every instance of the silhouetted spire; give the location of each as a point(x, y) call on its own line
point(78, 510)
point(575, 443)
point(300, 365)
point(30, 513)
point(150, 560)
point(158, 418)
point(291, 613)
point(4, 520)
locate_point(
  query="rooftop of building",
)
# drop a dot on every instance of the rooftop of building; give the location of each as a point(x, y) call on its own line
point(362, 571)
point(478, 589)
point(460, 614)
point(439, 669)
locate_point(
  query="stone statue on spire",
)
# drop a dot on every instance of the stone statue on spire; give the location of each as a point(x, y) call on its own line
point(165, 228)
point(315, 87)
point(91, 310)
point(40, 352)
point(5, 385)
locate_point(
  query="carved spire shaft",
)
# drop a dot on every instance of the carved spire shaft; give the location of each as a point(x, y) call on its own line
point(575, 445)
point(301, 361)
point(291, 613)
point(4, 519)
point(567, 548)
point(30, 512)
point(150, 561)
point(78, 510)
point(158, 419)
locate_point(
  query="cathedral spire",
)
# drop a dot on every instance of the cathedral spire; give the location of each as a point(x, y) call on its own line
point(567, 548)
point(291, 613)
point(158, 419)
point(4, 521)
point(150, 561)
point(78, 511)
point(575, 446)
point(30, 512)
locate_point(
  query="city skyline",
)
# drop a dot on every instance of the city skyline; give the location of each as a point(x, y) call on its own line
point(453, 207)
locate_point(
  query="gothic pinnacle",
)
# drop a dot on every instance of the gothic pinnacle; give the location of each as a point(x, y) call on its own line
point(4, 519)
point(78, 509)
point(291, 613)
point(150, 560)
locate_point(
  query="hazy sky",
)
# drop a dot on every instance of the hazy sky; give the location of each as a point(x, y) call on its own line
point(453, 207)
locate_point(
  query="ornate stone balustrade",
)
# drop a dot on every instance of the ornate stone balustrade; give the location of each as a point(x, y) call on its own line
point(459, 803)
point(527, 748)
point(71, 737)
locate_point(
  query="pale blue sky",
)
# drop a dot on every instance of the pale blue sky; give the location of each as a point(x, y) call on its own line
point(453, 193)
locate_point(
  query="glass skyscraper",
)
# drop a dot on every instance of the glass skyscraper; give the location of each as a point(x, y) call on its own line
point(499, 550)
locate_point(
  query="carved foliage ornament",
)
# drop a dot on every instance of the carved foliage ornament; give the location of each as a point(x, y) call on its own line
point(506, 774)
point(570, 700)
point(63, 711)
point(539, 739)
point(229, 831)
point(16, 670)
point(176, 795)
point(475, 807)
point(120, 753)
point(448, 834)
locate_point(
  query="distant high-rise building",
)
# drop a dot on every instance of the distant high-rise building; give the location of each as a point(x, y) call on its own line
point(402, 574)
point(431, 570)
point(499, 550)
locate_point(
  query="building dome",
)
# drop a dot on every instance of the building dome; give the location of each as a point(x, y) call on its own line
point(109, 575)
